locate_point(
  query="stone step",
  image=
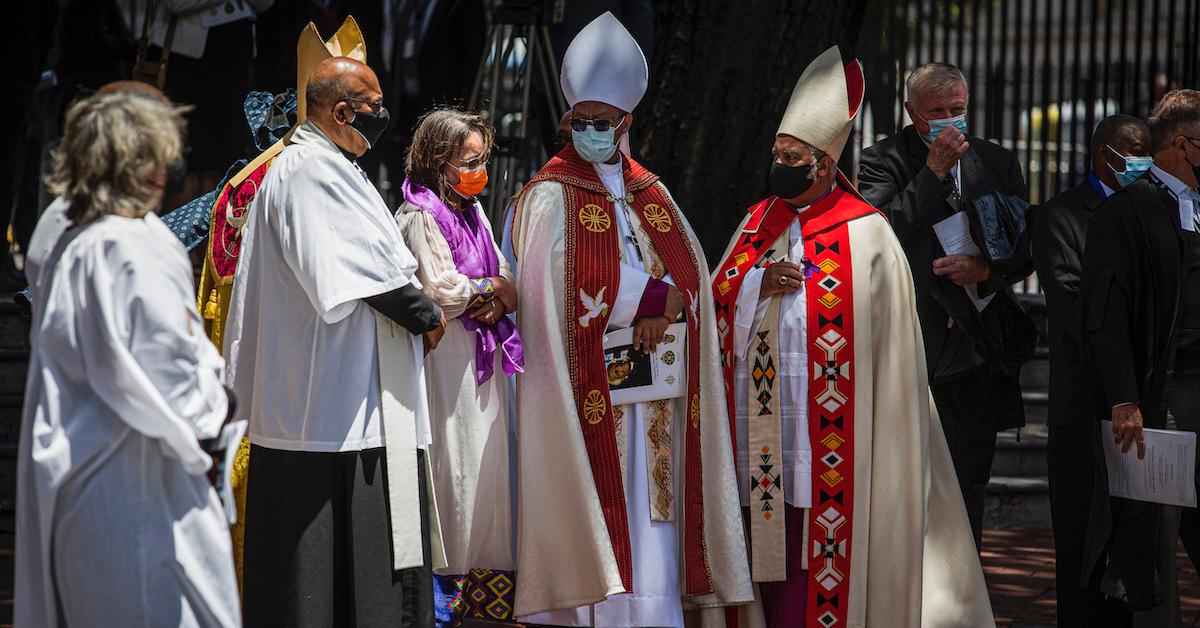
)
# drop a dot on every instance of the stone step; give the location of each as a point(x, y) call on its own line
point(1020, 458)
point(1017, 502)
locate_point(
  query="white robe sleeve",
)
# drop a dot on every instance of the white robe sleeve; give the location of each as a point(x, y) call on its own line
point(340, 247)
point(146, 350)
point(629, 296)
point(440, 279)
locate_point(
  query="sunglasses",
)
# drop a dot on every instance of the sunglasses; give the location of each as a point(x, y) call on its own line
point(374, 105)
point(600, 124)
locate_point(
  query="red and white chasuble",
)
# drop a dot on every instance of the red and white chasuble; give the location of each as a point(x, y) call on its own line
point(888, 542)
point(574, 545)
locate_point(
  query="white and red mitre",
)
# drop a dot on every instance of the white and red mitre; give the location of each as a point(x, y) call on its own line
point(824, 103)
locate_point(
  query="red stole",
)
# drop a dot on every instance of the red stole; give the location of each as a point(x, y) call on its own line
point(830, 338)
point(592, 278)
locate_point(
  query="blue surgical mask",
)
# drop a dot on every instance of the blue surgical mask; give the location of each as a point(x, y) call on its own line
point(594, 146)
point(936, 126)
point(1135, 167)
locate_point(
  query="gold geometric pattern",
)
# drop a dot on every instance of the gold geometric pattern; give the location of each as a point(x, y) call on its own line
point(832, 441)
point(828, 265)
point(696, 410)
point(594, 407)
point(658, 217)
point(829, 300)
point(594, 218)
point(831, 477)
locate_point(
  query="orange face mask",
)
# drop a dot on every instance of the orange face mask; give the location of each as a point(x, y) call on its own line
point(471, 182)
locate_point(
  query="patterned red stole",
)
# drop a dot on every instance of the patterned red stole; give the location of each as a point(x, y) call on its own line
point(830, 337)
point(592, 278)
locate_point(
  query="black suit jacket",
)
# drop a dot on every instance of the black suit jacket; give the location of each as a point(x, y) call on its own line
point(893, 177)
point(1059, 233)
point(1129, 295)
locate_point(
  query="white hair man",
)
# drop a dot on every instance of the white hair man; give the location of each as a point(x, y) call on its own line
point(976, 333)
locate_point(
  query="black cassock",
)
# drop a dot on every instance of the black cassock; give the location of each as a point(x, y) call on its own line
point(1129, 302)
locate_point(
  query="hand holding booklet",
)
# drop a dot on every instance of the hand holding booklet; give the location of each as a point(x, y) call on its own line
point(635, 376)
point(1167, 475)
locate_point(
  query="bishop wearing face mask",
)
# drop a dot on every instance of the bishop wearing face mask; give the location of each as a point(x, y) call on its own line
point(325, 333)
point(628, 512)
point(976, 333)
point(836, 437)
point(1120, 148)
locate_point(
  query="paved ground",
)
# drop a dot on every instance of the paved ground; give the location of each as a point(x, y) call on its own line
point(1019, 565)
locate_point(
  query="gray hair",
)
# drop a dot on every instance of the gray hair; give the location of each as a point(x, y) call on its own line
point(112, 147)
point(1175, 114)
point(934, 78)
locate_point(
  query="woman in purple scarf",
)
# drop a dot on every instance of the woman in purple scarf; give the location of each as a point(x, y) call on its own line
point(462, 270)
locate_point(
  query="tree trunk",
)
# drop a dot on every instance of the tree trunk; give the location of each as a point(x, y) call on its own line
point(720, 79)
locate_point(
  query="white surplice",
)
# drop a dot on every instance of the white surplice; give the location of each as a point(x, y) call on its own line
point(793, 375)
point(567, 571)
point(116, 520)
point(469, 455)
point(300, 341)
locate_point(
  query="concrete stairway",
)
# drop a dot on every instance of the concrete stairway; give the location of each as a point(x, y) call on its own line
point(1019, 492)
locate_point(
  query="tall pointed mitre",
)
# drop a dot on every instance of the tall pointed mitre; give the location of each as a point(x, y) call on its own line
point(228, 214)
point(311, 50)
point(824, 103)
point(605, 64)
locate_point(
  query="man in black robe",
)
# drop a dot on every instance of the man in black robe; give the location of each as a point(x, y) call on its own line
point(1139, 300)
point(1120, 149)
point(919, 177)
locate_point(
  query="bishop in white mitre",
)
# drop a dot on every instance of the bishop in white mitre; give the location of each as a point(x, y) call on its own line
point(852, 503)
point(628, 512)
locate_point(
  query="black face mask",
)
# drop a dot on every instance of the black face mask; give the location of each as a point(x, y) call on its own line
point(790, 181)
point(371, 125)
point(1195, 168)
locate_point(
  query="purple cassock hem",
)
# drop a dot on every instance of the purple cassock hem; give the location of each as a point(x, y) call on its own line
point(654, 298)
point(784, 603)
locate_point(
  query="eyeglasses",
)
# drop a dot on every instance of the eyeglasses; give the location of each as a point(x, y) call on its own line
point(599, 124)
point(1193, 141)
point(473, 164)
point(374, 105)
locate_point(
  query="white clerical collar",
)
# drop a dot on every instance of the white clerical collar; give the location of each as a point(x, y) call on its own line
point(310, 134)
point(609, 170)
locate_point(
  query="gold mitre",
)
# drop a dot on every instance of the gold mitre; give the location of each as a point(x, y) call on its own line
point(824, 103)
point(311, 50)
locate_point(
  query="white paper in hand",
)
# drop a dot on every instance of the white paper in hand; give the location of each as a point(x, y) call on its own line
point(1167, 475)
point(954, 234)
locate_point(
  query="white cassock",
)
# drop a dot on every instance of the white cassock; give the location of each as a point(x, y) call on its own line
point(656, 545)
point(117, 521)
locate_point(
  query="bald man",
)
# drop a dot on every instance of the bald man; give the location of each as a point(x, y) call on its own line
point(324, 283)
point(1120, 149)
